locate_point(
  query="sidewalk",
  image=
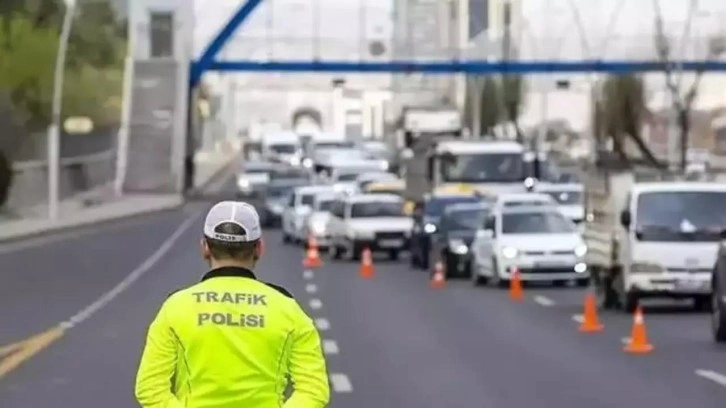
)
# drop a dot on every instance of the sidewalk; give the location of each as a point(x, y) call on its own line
point(101, 205)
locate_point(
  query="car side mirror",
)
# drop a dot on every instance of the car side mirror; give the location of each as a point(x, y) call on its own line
point(625, 219)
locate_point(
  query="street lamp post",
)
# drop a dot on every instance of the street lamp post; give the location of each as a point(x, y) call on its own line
point(54, 130)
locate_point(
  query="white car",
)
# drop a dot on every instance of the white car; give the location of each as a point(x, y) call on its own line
point(374, 221)
point(316, 223)
point(539, 241)
point(569, 198)
point(299, 206)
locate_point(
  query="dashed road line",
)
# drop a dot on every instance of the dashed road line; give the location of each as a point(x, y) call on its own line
point(330, 347)
point(315, 304)
point(322, 324)
point(544, 301)
point(714, 376)
point(311, 288)
point(341, 383)
point(625, 340)
point(308, 274)
point(578, 318)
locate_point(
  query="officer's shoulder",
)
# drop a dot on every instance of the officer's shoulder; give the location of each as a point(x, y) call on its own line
point(280, 289)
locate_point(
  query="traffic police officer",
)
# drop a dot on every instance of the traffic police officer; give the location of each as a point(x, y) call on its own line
point(232, 340)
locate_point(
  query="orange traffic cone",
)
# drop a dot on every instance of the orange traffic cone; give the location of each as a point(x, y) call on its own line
point(367, 270)
point(438, 279)
point(638, 342)
point(515, 286)
point(590, 321)
point(312, 256)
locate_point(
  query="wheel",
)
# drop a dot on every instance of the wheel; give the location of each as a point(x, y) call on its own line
point(413, 260)
point(476, 279)
point(631, 302)
point(393, 254)
point(449, 265)
point(337, 252)
point(353, 252)
point(718, 317)
point(497, 280)
point(702, 303)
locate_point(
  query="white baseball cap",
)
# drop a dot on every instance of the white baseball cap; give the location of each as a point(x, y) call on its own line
point(235, 212)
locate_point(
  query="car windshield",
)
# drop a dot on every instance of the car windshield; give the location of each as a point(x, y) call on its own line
point(307, 199)
point(536, 223)
point(283, 148)
point(464, 220)
point(483, 168)
point(256, 169)
point(566, 197)
point(435, 206)
point(281, 189)
point(377, 209)
point(347, 177)
point(324, 205)
point(680, 216)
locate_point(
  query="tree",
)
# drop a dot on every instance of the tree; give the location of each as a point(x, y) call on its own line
point(619, 113)
point(490, 112)
point(26, 69)
point(512, 87)
point(682, 97)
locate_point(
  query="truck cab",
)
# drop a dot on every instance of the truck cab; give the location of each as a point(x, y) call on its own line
point(652, 239)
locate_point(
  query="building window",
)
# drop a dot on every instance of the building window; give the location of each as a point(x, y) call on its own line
point(162, 34)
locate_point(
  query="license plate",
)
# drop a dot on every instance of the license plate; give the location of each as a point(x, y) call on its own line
point(688, 284)
point(390, 243)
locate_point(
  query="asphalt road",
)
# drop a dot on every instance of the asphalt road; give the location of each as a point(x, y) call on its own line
point(392, 341)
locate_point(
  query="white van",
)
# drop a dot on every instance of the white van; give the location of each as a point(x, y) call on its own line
point(283, 147)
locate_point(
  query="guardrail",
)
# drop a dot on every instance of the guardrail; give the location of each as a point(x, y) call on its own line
point(78, 174)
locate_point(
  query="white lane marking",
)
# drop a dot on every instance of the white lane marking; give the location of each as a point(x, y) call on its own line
point(578, 318)
point(543, 301)
point(311, 288)
point(718, 378)
point(132, 277)
point(308, 274)
point(340, 383)
point(625, 340)
point(316, 304)
point(322, 324)
point(330, 347)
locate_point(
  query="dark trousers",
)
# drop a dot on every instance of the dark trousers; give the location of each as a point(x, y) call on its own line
point(189, 170)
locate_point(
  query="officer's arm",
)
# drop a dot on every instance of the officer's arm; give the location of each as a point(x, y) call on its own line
point(158, 365)
point(307, 368)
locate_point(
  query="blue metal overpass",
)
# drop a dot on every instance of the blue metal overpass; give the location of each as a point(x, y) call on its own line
point(208, 61)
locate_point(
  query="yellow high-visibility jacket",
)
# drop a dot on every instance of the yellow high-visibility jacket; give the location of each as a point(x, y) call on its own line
point(231, 341)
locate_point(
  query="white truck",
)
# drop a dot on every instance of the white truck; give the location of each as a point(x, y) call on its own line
point(650, 238)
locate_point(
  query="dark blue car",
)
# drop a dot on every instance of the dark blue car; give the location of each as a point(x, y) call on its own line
point(426, 220)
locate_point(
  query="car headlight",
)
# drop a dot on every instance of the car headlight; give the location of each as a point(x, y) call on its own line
point(307, 163)
point(458, 247)
point(243, 183)
point(510, 252)
point(581, 250)
point(429, 228)
point(318, 227)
